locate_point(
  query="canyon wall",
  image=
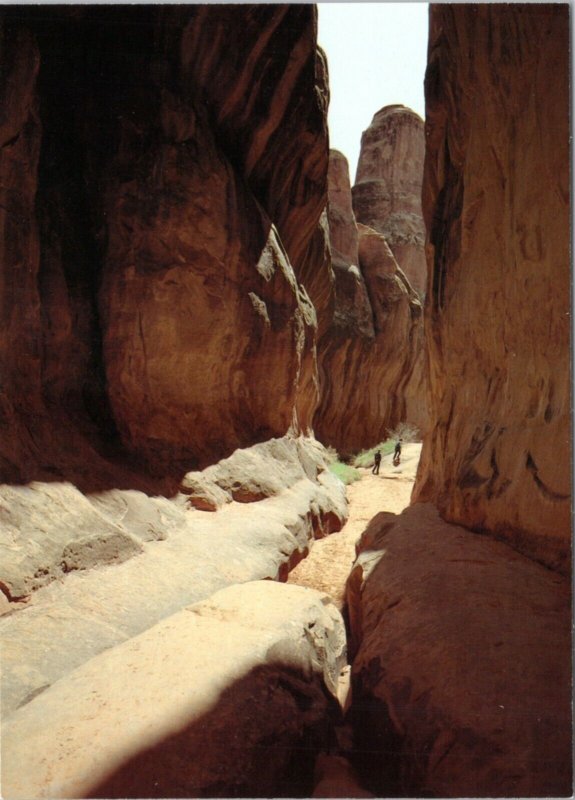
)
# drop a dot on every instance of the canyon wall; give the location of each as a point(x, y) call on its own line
point(167, 269)
point(370, 357)
point(497, 211)
point(462, 643)
point(387, 190)
point(161, 207)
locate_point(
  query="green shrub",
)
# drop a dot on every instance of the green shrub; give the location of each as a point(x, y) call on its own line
point(346, 474)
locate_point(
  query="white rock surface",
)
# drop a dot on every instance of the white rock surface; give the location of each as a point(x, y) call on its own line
point(213, 699)
point(71, 620)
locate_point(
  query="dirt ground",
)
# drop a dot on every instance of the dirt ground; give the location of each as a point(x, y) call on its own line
point(329, 562)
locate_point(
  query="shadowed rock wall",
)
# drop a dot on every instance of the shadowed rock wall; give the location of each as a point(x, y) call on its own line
point(497, 211)
point(161, 205)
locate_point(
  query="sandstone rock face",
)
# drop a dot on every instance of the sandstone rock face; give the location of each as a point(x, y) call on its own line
point(461, 681)
point(352, 310)
point(208, 336)
point(387, 190)
point(157, 200)
point(184, 709)
point(343, 233)
point(497, 208)
point(370, 358)
point(179, 555)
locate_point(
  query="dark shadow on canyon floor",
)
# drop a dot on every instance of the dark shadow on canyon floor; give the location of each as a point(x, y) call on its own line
point(241, 740)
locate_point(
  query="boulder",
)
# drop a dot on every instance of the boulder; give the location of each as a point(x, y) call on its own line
point(498, 318)
point(263, 470)
point(387, 190)
point(185, 709)
point(461, 678)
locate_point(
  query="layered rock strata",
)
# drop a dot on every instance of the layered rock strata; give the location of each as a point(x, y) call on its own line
point(370, 356)
point(184, 709)
point(387, 190)
point(175, 555)
point(497, 209)
point(160, 209)
point(461, 679)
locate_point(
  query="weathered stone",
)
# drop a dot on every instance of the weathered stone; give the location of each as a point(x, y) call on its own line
point(352, 311)
point(497, 208)
point(371, 368)
point(397, 316)
point(48, 529)
point(334, 776)
point(461, 681)
point(253, 474)
point(343, 234)
point(20, 333)
point(185, 708)
point(203, 493)
point(387, 190)
point(69, 621)
point(193, 364)
point(209, 354)
point(152, 215)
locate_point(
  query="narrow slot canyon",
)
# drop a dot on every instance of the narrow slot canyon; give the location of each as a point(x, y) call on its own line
point(285, 442)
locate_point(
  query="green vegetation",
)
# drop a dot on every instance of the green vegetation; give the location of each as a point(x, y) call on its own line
point(345, 473)
point(405, 431)
point(345, 468)
point(365, 458)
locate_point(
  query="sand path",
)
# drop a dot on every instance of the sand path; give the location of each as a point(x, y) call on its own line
point(329, 562)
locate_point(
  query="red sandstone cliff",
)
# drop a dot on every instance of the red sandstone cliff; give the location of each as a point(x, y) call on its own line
point(370, 356)
point(497, 210)
point(387, 190)
point(463, 645)
point(162, 202)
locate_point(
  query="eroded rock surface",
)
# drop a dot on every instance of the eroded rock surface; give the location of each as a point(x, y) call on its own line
point(179, 555)
point(497, 208)
point(162, 209)
point(371, 356)
point(387, 190)
point(185, 709)
point(461, 680)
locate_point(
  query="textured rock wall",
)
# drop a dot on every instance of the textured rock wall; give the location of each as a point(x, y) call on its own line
point(19, 154)
point(497, 208)
point(158, 195)
point(387, 190)
point(461, 679)
point(370, 357)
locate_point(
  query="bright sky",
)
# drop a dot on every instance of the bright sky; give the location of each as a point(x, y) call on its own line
point(377, 53)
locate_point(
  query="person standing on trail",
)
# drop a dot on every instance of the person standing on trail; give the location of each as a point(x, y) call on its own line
point(397, 452)
point(376, 463)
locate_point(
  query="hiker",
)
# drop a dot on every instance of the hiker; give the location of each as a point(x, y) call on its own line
point(376, 463)
point(397, 452)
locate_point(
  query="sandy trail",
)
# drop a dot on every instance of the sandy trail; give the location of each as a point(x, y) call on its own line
point(330, 560)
